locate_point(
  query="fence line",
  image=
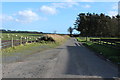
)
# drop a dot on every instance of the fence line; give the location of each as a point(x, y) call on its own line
point(113, 42)
point(12, 42)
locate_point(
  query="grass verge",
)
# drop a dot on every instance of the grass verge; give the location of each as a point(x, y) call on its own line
point(106, 51)
point(28, 49)
point(81, 39)
point(18, 53)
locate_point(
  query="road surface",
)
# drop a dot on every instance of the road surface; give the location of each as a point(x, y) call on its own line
point(70, 60)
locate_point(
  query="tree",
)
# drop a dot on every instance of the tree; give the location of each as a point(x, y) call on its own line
point(97, 25)
point(70, 30)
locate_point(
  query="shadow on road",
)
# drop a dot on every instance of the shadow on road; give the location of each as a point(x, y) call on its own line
point(82, 62)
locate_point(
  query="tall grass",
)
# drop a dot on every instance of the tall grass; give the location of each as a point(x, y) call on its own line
point(58, 38)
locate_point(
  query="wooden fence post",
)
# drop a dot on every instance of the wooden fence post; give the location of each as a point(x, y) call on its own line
point(12, 42)
point(30, 40)
point(21, 40)
point(27, 39)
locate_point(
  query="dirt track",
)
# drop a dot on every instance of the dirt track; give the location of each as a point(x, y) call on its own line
point(70, 60)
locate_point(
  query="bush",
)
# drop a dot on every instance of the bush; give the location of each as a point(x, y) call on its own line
point(45, 38)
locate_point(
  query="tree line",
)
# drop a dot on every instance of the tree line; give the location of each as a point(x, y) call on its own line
point(10, 31)
point(97, 25)
point(33, 32)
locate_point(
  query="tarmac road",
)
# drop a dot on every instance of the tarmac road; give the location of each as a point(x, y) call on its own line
point(70, 60)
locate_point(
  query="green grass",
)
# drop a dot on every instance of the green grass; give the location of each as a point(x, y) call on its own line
point(105, 50)
point(81, 39)
point(18, 53)
point(17, 36)
point(108, 52)
point(28, 49)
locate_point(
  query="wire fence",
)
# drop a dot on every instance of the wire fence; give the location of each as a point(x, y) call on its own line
point(15, 42)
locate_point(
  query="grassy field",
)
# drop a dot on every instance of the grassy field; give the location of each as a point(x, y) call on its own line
point(31, 48)
point(108, 52)
point(17, 36)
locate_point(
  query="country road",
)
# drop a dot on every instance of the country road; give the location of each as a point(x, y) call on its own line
point(70, 60)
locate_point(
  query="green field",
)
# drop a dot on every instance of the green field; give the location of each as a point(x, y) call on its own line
point(17, 36)
point(82, 39)
point(30, 48)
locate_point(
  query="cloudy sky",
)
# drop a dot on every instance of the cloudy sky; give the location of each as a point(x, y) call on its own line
point(49, 16)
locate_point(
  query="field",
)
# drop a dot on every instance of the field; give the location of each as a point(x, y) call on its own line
point(108, 50)
point(15, 39)
point(17, 36)
point(30, 48)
